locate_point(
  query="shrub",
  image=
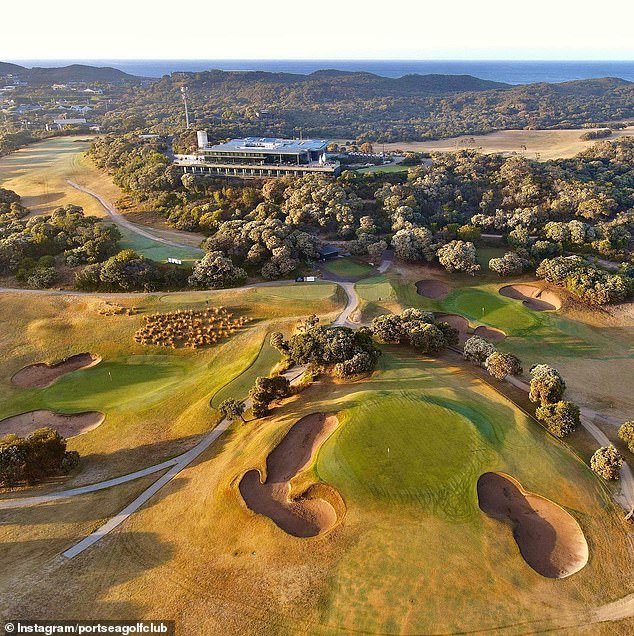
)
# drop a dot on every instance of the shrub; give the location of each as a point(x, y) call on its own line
point(606, 462)
point(216, 271)
point(42, 277)
point(232, 409)
point(499, 365)
point(561, 418)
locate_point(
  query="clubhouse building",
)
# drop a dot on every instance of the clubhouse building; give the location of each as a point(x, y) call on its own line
point(259, 157)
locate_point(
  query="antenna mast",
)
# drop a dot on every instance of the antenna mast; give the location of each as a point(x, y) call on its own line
point(184, 90)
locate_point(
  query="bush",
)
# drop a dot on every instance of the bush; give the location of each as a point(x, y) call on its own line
point(626, 433)
point(359, 364)
point(499, 365)
point(42, 277)
point(561, 418)
point(606, 462)
point(477, 350)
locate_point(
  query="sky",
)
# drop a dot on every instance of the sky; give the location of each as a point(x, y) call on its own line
point(316, 29)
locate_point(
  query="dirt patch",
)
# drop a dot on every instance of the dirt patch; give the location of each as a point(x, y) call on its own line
point(311, 513)
point(40, 375)
point(549, 538)
point(533, 297)
point(432, 288)
point(65, 425)
point(489, 333)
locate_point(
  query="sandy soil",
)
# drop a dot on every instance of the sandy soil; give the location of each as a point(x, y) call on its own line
point(549, 538)
point(38, 376)
point(489, 333)
point(533, 297)
point(65, 425)
point(305, 515)
point(432, 288)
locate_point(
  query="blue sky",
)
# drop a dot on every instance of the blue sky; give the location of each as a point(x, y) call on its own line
point(317, 29)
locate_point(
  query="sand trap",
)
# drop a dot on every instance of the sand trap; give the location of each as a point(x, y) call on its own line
point(317, 509)
point(549, 538)
point(533, 297)
point(65, 425)
point(432, 288)
point(489, 333)
point(38, 376)
point(454, 320)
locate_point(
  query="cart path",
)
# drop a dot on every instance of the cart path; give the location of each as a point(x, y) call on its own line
point(119, 219)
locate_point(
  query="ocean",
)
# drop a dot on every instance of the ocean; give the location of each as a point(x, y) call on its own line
point(510, 72)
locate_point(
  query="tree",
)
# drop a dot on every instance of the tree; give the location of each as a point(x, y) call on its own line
point(459, 256)
point(360, 363)
point(606, 462)
point(30, 459)
point(477, 350)
point(413, 244)
point(278, 342)
point(499, 365)
point(231, 409)
point(547, 386)
point(626, 433)
point(216, 271)
point(560, 418)
point(266, 390)
point(511, 264)
point(426, 338)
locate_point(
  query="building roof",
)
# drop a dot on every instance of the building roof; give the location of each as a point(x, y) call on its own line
point(270, 144)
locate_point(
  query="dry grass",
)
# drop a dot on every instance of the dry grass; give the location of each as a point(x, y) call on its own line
point(541, 144)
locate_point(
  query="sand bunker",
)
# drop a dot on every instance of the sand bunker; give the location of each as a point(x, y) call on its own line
point(489, 333)
point(66, 425)
point(311, 513)
point(432, 288)
point(533, 297)
point(454, 320)
point(549, 538)
point(38, 376)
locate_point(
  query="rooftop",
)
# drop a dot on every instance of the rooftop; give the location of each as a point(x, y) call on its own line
point(256, 144)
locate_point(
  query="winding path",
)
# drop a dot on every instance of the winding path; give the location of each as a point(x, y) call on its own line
point(119, 219)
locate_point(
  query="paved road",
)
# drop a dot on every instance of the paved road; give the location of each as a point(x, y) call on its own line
point(119, 219)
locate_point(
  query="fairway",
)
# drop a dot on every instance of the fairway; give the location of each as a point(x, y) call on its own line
point(38, 173)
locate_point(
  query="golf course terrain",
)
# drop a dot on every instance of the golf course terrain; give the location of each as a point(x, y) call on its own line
point(421, 497)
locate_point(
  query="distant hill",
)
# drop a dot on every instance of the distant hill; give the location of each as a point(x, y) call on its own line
point(72, 73)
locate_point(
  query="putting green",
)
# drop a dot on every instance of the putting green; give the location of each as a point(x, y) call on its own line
point(407, 446)
point(490, 308)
